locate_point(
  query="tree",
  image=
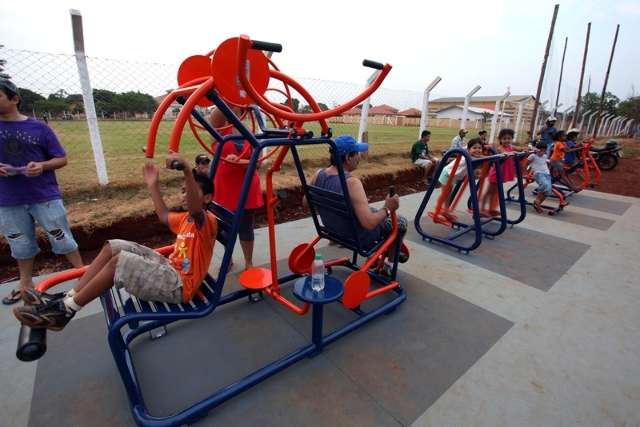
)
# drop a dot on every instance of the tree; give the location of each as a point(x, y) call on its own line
point(3, 62)
point(307, 108)
point(135, 102)
point(630, 108)
point(485, 116)
point(295, 104)
point(104, 101)
point(591, 102)
point(28, 99)
point(75, 103)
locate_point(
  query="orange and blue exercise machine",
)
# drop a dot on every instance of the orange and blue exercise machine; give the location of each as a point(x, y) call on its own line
point(452, 191)
point(238, 74)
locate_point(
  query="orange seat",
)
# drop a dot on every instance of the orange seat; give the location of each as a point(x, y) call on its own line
point(256, 278)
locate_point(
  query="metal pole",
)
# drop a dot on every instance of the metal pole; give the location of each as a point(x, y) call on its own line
point(544, 66)
point(584, 115)
point(584, 63)
point(606, 79)
point(519, 119)
point(591, 116)
point(465, 110)
point(494, 119)
point(564, 116)
point(536, 124)
point(564, 52)
point(364, 113)
point(424, 117)
point(87, 97)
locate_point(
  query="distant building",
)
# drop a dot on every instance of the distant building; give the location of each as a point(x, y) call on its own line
point(409, 117)
point(487, 103)
point(173, 109)
point(474, 113)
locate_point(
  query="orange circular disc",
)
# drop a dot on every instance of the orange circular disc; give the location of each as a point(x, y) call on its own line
point(355, 289)
point(224, 66)
point(194, 67)
point(256, 278)
point(301, 258)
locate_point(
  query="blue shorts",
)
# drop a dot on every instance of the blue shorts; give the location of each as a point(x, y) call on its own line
point(544, 183)
point(17, 225)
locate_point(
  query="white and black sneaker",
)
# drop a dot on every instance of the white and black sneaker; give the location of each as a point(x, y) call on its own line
point(53, 315)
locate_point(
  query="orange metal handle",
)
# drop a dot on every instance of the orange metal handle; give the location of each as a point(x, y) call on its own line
point(244, 44)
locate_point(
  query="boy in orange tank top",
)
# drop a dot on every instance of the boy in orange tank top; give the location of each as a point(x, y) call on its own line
point(140, 270)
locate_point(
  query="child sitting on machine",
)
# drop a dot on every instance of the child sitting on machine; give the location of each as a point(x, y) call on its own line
point(474, 147)
point(537, 162)
point(505, 139)
point(557, 160)
point(140, 270)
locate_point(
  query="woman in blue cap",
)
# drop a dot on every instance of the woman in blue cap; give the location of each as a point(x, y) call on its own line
point(373, 224)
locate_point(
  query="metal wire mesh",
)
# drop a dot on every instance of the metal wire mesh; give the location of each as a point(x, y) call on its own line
point(127, 93)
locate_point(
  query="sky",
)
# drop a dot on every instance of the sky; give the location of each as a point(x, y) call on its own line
point(494, 43)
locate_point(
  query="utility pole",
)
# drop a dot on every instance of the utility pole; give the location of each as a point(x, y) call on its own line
point(564, 52)
point(584, 63)
point(544, 67)
point(606, 80)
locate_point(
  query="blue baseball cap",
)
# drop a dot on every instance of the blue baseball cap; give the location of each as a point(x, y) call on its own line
point(346, 145)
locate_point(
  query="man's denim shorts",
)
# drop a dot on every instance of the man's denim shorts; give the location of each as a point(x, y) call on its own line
point(18, 226)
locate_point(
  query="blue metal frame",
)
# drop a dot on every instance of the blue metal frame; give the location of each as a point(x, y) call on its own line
point(126, 320)
point(479, 226)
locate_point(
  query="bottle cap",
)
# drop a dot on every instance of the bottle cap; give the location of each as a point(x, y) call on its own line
point(318, 256)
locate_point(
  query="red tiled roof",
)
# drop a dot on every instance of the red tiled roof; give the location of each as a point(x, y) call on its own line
point(382, 110)
point(410, 112)
point(352, 112)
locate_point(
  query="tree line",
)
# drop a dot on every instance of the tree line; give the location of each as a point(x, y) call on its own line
point(108, 103)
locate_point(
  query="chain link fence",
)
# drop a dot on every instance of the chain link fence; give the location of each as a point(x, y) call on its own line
point(126, 94)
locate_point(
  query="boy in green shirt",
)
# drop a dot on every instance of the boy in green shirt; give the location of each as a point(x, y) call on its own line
point(420, 155)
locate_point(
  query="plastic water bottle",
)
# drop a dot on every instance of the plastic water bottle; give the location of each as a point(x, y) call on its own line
point(317, 274)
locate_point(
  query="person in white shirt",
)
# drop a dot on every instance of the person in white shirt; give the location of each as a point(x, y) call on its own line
point(458, 140)
point(537, 162)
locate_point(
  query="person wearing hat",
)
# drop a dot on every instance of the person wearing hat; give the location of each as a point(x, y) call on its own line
point(373, 224)
point(29, 155)
point(573, 146)
point(458, 140)
point(202, 165)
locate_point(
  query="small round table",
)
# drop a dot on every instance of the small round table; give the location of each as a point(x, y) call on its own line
point(332, 291)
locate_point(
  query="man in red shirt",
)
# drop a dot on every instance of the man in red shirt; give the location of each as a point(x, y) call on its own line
point(140, 270)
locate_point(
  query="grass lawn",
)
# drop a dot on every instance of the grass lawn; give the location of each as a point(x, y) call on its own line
point(123, 141)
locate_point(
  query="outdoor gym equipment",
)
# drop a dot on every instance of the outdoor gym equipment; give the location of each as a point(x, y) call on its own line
point(237, 73)
point(521, 185)
point(453, 192)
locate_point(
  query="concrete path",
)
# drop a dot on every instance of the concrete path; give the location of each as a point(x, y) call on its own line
point(567, 353)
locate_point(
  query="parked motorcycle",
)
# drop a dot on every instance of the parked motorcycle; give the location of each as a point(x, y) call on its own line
point(607, 156)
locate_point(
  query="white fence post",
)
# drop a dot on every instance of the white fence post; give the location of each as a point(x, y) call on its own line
point(494, 119)
point(564, 115)
point(465, 109)
point(424, 116)
point(519, 120)
point(87, 97)
point(364, 113)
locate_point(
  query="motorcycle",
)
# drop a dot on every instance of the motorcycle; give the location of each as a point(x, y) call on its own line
point(607, 156)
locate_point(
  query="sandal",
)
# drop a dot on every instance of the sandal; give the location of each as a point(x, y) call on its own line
point(13, 297)
point(537, 207)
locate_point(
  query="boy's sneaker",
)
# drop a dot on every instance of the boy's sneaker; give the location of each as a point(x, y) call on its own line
point(53, 315)
point(32, 297)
